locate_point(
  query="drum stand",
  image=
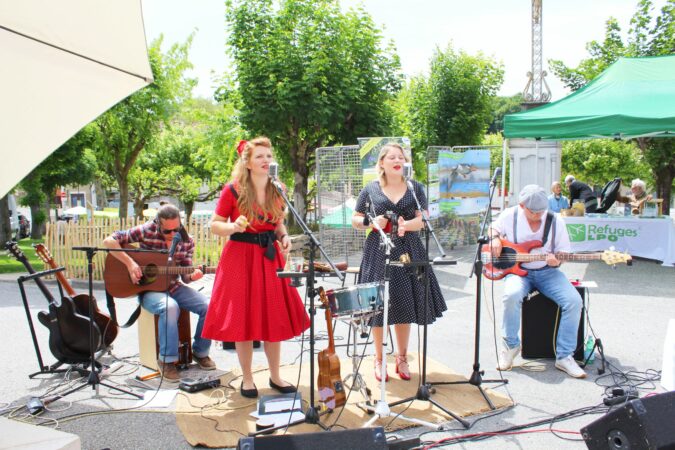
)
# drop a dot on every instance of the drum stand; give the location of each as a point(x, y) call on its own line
point(358, 383)
point(382, 409)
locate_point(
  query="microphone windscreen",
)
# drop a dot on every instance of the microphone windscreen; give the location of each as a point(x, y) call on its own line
point(274, 171)
point(407, 171)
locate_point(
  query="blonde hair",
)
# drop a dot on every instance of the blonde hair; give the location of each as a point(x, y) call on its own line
point(383, 152)
point(241, 176)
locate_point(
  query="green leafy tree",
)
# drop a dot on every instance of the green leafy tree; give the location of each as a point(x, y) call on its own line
point(309, 75)
point(647, 36)
point(454, 104)
point(597, 161)
point(72, 163)
point(502, 106)
point(131, 125)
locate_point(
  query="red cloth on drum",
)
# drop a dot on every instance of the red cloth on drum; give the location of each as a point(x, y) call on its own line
point(249, 301)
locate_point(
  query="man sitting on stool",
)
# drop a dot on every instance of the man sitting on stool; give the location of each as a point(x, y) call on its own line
point(527, 222)
point(158, 235)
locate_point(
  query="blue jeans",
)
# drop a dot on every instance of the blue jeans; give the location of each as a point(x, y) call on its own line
point(553, 284)
point(168, 310)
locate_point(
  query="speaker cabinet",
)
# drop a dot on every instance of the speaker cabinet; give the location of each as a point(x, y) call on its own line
point(640, 424)
point(540, 321)
point(359, 439)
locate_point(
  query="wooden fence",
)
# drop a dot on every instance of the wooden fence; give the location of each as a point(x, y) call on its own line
point(61, 237)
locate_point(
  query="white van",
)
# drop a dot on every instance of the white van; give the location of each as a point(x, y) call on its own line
point(13, 214)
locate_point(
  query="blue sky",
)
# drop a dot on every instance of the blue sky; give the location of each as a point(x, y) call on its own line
point(497, 28)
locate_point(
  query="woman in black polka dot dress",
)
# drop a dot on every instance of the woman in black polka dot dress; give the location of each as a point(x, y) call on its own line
point(406, 291)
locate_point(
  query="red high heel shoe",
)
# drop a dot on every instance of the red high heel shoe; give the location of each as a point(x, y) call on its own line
point(378, 370)
point(402, 368)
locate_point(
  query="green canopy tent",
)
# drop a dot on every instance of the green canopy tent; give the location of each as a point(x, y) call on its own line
point(634, 97)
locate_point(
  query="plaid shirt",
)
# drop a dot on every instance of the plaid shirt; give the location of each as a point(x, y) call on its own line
point(150, 237)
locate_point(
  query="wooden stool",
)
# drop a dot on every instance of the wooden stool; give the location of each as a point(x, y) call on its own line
point(148, 343)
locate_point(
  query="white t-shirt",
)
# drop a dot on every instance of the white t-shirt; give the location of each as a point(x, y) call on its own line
point(504, 225)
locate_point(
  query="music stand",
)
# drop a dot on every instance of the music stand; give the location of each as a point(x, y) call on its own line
point(476, 378)
point(425, 390)
point(311, 415)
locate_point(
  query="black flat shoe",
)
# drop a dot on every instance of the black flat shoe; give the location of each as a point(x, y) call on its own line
point(248, 393)
point(282, 389)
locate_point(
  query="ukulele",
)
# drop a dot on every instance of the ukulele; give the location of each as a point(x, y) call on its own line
point(513, 255)
point(68, 330)
point(156, 277)
point(82, 302)
point(329, 382)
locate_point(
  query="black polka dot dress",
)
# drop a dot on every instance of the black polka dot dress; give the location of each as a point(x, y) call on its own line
point(406, 286)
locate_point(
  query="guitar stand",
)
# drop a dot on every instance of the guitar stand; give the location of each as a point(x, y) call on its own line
point(54, 368)
point(358, 382)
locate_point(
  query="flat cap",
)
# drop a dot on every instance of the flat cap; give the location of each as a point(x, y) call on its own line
point(534, 198)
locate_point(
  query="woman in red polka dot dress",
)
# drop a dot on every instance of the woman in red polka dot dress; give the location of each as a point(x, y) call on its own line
point(249, 301)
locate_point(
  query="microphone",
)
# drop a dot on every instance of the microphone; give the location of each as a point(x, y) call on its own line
point(274, 171)
point(498, 171)
point(174, 243)
point(407, 171)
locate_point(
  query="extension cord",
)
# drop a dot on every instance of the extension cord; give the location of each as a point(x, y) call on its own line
point(619, 399)
point(35, 406)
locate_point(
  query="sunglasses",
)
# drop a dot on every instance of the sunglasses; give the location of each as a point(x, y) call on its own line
point(174, 230)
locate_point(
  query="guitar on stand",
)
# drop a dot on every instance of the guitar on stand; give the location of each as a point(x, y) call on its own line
point(105, 324)
point(513, 255)
point(68, 330)
point(329, 382)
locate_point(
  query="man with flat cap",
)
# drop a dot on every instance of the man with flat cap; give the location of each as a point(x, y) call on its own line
point(524, 222)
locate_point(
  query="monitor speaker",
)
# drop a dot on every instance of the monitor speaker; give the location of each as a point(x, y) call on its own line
point(540, 321)
point(640, 424)
point(359, 439)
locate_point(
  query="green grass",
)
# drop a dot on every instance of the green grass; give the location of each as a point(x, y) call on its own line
point(9, 264)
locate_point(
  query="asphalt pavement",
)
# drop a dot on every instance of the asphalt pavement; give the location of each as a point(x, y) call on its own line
point(629, 310)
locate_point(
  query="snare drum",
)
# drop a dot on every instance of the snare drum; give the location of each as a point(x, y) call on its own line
point(355, 300)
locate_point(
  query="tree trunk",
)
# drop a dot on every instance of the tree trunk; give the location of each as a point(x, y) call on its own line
point(299, 193)
point(101, 198)
point(138, 207)
point(5, 223)
point(124, 198)
point(37, 227)
point(664, 184)
point(189, 207)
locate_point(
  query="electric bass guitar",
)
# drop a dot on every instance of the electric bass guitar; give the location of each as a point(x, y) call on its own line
point(82, 301)
point(157, 275)
point(513, 255)
point(329, 382)
point(68, 330)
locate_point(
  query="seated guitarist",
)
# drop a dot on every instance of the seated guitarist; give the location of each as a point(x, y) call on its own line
point(527, 222)
point(158, 235)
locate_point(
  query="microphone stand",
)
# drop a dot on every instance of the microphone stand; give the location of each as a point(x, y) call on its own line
point(425, 389)
point(93, 379)
point(311, 415)
point(476, 378)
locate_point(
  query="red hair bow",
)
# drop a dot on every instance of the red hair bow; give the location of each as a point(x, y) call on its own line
point(241, 146)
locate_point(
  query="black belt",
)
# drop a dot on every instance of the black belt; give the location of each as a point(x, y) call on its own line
point(264, 239)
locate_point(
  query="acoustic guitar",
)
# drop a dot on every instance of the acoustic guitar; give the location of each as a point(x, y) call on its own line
point(82, 301)
point(329, 382)
point(513, 255)
point(157, 275)
point(68, 330)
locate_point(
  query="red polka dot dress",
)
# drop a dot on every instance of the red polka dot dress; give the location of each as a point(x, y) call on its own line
point(249, 301)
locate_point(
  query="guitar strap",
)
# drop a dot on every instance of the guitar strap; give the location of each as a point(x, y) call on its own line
point(110, 301)
point(547, 228)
